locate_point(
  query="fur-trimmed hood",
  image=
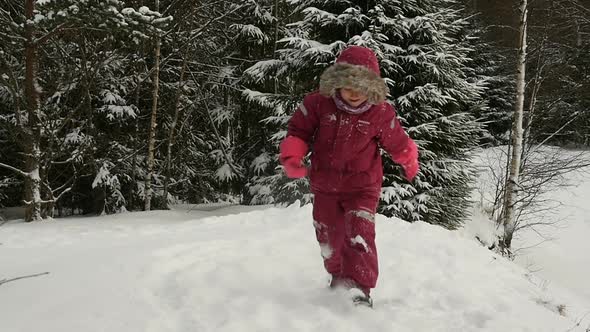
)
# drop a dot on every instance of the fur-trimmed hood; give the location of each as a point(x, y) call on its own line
point(358, 68)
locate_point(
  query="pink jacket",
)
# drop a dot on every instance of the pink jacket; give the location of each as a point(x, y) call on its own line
point(345, 147)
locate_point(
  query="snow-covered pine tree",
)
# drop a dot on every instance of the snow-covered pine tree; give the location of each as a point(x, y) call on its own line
point(425, 58)
point(75, 44)
point(186, 154)
point(193, 86)
point(558, 86)
point(267, 98)
point(491, 71)
point(493, 67)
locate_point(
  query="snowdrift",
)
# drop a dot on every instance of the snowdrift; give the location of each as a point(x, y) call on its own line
point(261, 270)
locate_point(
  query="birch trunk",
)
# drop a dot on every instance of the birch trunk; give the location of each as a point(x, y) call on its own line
point(512, 185)
point(33, 130)
point(153, 123)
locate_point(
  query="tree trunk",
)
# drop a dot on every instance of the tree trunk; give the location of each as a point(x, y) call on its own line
point(512, 185)
point(135, 145)
point(153, 123)
point(578, 36)
point(32, 146)
point(275, 42)
point(173, 129)
point(99, 193)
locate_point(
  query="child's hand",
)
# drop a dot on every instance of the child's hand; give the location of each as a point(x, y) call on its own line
point(411, 169)
point(293, 149)
point(408, 159)
point(294, 168)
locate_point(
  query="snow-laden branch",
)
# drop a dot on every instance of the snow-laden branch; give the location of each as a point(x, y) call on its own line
point(225, 154)
point(14, 169)
point(48, 35)
point(195, 34)
point(16, 37)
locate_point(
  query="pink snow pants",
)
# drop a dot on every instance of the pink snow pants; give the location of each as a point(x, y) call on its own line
point(345, 229)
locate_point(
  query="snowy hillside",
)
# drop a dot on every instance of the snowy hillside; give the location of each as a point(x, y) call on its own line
point(556, 254)
point(256, 270)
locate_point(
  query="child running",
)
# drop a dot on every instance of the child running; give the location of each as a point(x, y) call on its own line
point(346, 123)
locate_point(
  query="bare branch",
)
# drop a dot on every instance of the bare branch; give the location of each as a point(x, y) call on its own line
point(515, 251)
point(3, 281)
point(579, 322)
point(48, 35)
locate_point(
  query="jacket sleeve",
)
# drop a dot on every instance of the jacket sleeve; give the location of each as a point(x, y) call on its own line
point(393, 138)
point(304, 121)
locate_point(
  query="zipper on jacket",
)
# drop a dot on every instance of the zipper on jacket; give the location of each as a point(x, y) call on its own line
point(339, 152)
point(338, 120)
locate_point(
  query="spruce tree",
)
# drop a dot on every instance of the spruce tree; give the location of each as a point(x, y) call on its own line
point(424, 56)
point(264, 103)
point(79, 58)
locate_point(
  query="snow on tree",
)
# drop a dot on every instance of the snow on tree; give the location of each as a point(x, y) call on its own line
point(425, 59)
point(65, 44)
point(259, 107)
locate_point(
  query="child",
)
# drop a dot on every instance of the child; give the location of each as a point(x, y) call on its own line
point(346, 123)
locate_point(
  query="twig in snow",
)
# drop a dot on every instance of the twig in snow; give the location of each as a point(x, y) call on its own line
point(579, 322)
point(3, 281)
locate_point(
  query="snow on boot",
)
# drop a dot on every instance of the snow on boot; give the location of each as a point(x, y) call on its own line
point(339, 282)
point(358, 295)
point(359, 298)
point(346, 284)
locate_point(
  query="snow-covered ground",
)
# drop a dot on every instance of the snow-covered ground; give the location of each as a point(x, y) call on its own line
point(565, 255)
point(255, 270)
point(557, 255)
point(232, 268)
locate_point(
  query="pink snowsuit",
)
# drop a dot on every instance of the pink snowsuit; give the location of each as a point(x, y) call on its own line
point(346, 169)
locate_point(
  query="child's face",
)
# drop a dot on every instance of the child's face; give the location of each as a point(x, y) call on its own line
point(353, 97)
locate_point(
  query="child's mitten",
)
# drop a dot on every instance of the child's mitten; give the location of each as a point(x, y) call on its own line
point(411, 169)
point(408, 159)
point(293, 149)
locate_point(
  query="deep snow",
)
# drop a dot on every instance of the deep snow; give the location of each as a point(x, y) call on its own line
point(256, 270)
point(557, 253)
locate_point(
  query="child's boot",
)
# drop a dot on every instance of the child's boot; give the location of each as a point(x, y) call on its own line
point(359, 295)
point(360, 298)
